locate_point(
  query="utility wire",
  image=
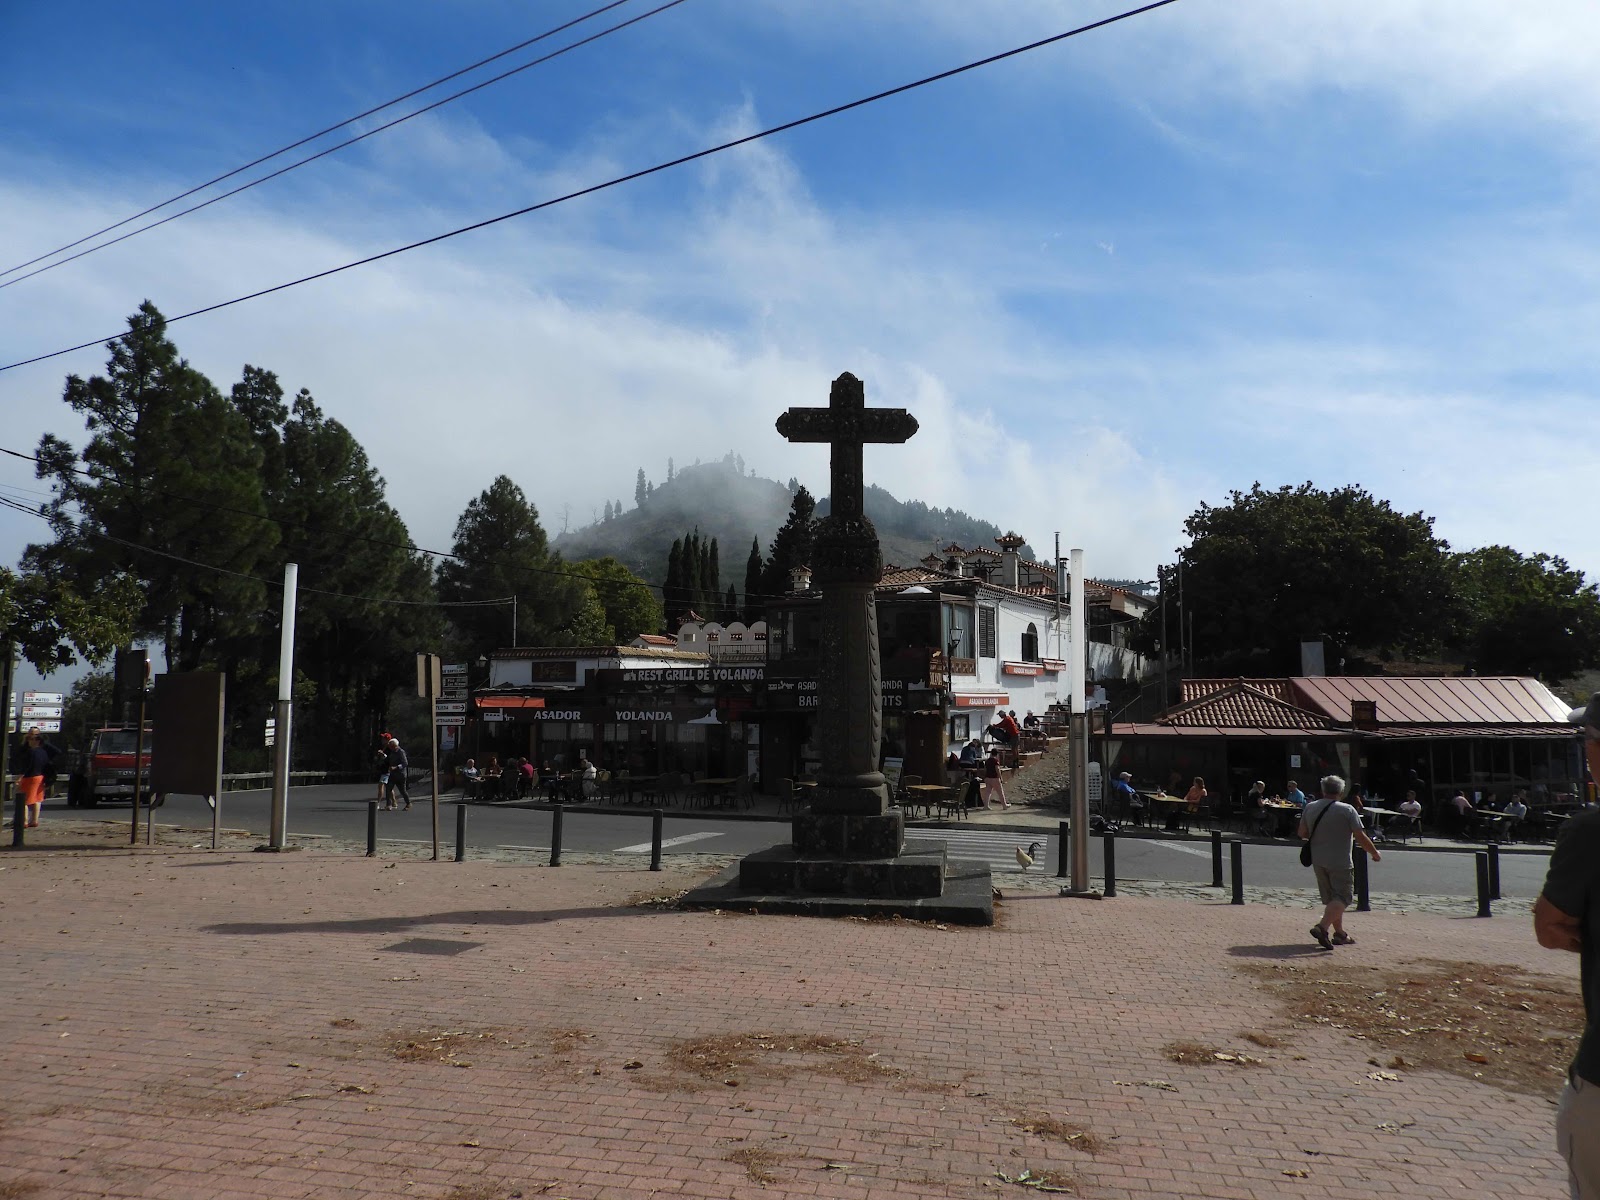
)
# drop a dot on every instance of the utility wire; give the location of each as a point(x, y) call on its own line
point(200, 187)
point(337, 146)
point(386, 543)
point(205, 566)
point(620, 179)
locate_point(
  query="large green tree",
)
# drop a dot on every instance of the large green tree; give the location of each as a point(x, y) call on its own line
point(170, 476)
point(628, 602)
point(1527, 615)
point(502, 551)
point(1273, 568)
point(53, 623)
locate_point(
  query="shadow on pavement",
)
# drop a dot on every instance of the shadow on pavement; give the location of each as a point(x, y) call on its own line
point(1294, 951)
point(402, 924)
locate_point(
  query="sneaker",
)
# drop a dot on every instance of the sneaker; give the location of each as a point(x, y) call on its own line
point(1321, 936)
point(1343, 939)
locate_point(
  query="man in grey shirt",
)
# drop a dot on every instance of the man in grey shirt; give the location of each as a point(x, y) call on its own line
point(1331, 825)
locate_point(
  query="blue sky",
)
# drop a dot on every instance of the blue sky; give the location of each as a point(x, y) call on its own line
point(1347, 241)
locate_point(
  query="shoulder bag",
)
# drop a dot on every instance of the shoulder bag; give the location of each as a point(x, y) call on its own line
point(1305, 851)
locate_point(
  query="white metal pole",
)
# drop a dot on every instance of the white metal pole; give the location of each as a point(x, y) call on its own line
point(278, 834)
point(1077, 661)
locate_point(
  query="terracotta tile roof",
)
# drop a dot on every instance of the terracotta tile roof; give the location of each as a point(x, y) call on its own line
point(1241, 706)
point(658, 639)
point(1194, 689)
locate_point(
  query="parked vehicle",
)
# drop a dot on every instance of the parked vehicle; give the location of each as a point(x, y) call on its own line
point(106, 772)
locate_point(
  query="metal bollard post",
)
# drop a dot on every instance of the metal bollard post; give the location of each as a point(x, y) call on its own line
point(1216, 858)
point(461, 833)
point(1236, 862)
point(1483, 884)
point(18, 822)
point(1109, 841)
point(372, 829)
point(1494, 870)
point(555, 834)
point(656, 818)
point(1363, 892)
point(1062, 850)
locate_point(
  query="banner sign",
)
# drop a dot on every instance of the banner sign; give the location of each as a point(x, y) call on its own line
point(694, 674)
point(982, 701)
point(1022, 668)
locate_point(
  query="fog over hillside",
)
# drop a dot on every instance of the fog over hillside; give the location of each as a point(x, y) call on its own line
point(725, 502)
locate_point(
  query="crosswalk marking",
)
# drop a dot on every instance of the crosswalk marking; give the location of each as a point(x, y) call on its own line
point(996, 848)
point(681, 840)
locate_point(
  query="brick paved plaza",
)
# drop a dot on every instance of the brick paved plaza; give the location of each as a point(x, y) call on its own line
point(187, 1024)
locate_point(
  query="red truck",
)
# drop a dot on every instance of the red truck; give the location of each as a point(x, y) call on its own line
point(107, 770)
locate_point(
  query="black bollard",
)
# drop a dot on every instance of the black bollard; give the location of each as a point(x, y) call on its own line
point(555, 834)
point(1363, 893)
point(372, 829)
point(1483, 884)
point(1061, 851)
point(656, 818)
point(461, 833)
point(18, 822)
point(1109, 841)
point(1216, 858)
point(1494, 870)
point(1236, 862)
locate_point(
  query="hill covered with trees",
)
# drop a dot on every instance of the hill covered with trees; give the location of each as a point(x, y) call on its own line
point(722, 501)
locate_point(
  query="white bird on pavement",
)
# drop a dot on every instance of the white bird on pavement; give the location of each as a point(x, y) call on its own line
point(1025, 857)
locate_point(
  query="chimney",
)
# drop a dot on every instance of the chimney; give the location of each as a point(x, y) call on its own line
point(800, 579)
point(955, 566)
point(1010, 561)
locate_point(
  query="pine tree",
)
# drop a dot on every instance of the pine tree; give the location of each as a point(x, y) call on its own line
point(607, 516)
point(669, 470)
point(712, 579)
point(640, 491)
point(792, 546)
point(730, 606)
point(616, 509)
point(672, 590)
point(752, 582)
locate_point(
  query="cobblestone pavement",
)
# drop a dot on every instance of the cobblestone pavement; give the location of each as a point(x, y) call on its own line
point(182, 1023)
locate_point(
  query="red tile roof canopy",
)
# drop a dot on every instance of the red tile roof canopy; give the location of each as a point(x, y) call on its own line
point(1240, 704)
point(1412, 701)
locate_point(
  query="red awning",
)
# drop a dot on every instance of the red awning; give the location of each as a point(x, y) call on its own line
point(510, 701)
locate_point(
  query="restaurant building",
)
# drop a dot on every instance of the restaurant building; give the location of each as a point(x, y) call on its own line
point(1488, 736)
point(643, 708)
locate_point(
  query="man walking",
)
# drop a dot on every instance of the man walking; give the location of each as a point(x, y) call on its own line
point(1567, 917)
point(1331, 825)
point(396, 763)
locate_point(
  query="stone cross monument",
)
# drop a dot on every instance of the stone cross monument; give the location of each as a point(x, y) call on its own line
point(846, 566)
point(848, 855)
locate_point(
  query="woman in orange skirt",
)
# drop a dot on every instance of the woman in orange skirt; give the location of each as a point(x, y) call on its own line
point(33, 766)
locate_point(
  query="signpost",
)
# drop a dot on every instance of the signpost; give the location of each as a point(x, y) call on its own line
point(430, 676)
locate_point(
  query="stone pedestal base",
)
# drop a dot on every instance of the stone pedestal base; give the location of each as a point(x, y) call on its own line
point(849, 835)
point(784, 869)
point(966, 898)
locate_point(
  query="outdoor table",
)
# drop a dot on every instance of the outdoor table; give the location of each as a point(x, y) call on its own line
point(926, 794)
point(629, 782)
point(716, 789)
point(1285, 816)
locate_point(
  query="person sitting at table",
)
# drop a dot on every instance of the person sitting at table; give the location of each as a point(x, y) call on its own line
point(1030, 721)
point(1411, 807)
point(469, 780)
point(591, 775)
point(1127, 799)
point(1192, 800)
point(1254, 805)
point(1295, 796)
point(972, 753)
point(1516, 811)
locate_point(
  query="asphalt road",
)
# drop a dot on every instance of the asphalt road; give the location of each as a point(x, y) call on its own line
point(340, 811)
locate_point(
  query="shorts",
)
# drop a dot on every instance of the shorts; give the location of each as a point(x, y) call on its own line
point(1335, 883)
point(30, 789)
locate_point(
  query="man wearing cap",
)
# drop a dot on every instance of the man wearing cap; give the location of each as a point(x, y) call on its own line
point(1127, 799)
point(1567, 917)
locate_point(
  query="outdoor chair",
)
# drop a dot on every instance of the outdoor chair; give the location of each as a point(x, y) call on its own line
point(788, 797)
point(1400, 828)
point(952, 799)
point(905, 799)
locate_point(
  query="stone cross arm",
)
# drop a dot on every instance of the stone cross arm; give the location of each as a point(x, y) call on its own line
point(846, 424)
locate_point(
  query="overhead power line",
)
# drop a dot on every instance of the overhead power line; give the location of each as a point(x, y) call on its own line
point(200, 187)
point(360, 137)
point(620, 179)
